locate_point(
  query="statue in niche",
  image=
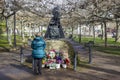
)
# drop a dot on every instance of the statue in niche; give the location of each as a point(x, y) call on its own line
point(54, 30)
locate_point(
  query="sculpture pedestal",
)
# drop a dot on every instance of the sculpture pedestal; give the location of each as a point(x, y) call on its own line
point(58, 45)
point(57, 53)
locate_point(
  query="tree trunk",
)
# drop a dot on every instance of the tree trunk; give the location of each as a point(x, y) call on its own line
point(78, 29)
point(85, 31)
point(29, 27)
point(39, 28)
point(23, 35)
point(21, 28)
point(117, 27)
point(80, 36)
point(7, 27)
point(8, 32)
point(72, 31)
point(14, 30)
point(9, 36)
point(90, 30)
point(102, 29)
point(105, 28)
point(93, 33)
point(32, 27)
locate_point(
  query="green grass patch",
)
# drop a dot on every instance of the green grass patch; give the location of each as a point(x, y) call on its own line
point(113, 47)
point(97, 40)
point(5, 45)
point(110, 50)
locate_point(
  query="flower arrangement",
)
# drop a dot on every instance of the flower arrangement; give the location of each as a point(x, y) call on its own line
point(57, 58)
point(67, 61)
point(51, 54)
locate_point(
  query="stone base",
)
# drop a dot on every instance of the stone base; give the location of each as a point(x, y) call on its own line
point(59, 45)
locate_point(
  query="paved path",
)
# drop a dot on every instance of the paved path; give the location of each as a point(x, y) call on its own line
point(10, 69)
point(103, 67)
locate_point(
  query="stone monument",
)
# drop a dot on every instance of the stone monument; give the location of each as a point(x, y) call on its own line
point(58, 51)
point(55, 42)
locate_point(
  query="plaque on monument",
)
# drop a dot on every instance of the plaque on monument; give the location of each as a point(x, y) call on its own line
point(54, 30)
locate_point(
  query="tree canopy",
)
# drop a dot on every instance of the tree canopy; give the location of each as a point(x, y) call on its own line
point(76, 10)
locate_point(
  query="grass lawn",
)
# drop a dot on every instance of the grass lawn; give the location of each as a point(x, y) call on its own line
point(113, 47)
point(4, 43)
point(110, 50)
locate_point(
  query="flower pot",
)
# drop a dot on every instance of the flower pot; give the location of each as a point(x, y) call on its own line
point(57, 66)
point(64, 65)
point(43, 65)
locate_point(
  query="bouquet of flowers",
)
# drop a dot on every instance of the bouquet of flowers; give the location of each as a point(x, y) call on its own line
point(58, 59)
point(52, 54)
